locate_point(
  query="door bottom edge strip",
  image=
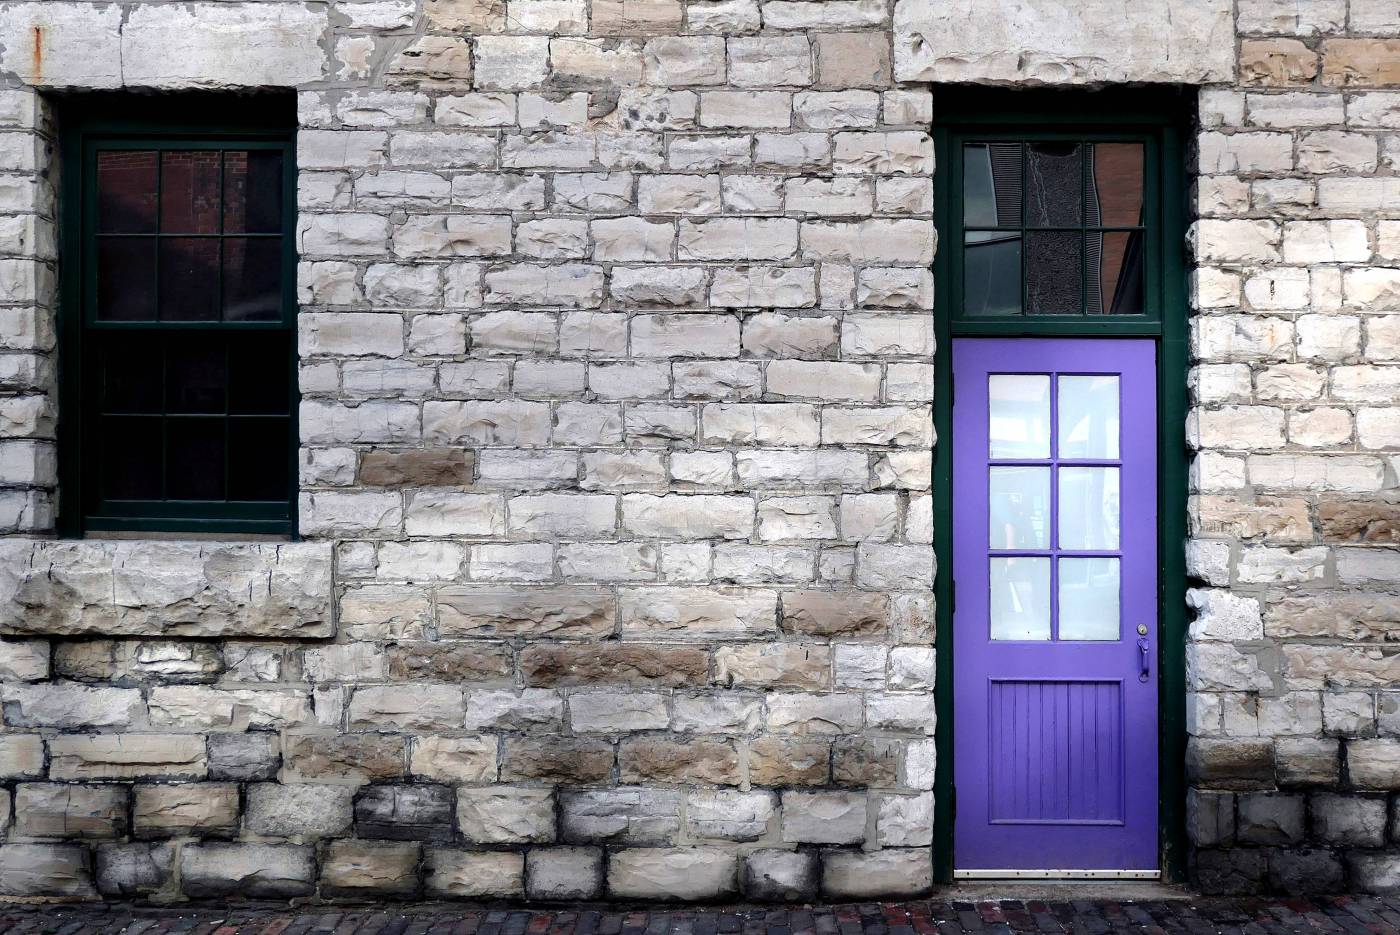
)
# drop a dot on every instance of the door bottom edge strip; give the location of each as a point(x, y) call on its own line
point(1057, 875)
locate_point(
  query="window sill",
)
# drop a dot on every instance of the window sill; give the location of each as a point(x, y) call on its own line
point(166, 588)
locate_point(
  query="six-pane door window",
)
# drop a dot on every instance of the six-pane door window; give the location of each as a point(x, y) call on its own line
point(186, 335)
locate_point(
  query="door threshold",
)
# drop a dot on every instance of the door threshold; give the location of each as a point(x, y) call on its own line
point(1127, 891)
point(1057, 876)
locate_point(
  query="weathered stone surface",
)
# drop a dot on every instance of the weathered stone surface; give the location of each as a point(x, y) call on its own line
point(355, 758)
point(298, 811)
point(194, 808)
point(889, 872)
point(362, 868)
point(127, 756)
point(780, 876)
point(45, 870)
point(260, 871)
point(564, 872)
point(405, 813)
point(692, 761)
point(416, 467)
point(556, 759)
point(127, 870)
point(165, 588)
point(579, 612)
point(672, 873)
point(468, 874)
point(611, 663)
point(505, 814)
point(57, 810)
point(624, 815)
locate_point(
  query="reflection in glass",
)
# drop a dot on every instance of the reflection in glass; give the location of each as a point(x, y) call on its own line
point(252, 192)
point(126, 191)
point(1054, 174)
point(189, 192)
point(1114, 198)
point(1019, 507)
point(1020, 598)
point(1088, 417)
point(189, 279)
point(126, 272)
point(992, 273)
point(992, 185)
point(252, 278)
point(1088, 599)
point(1052, 272)
point(1089, 508)
point(1115, 273)
point(1018, 415)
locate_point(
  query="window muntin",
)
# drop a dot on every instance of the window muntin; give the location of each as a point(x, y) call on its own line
point(185, 346)
point(1053, 228)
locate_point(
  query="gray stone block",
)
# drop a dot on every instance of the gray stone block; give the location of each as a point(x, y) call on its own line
point(245, 757)
point(889, 872)
point(564, 872)
point(1210, 818)
point(252, 871)
point(1349, 819)
point(661, 873)
point(1270, 819)
point(780, 876)
point(1375, 873)
point(1225, 872)
point(45, 870)
point(1304, 871)
point(404, 813)
point(126, 870)
point(300, 811)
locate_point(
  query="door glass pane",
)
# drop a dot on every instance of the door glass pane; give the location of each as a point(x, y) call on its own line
point(1088, 417)
point(1019, 507)
point(1018, 414)
point(1114, 198)
point(992, 273)
point(1089, 507)
point(1088, 599)
point(1054, 174)
point(189, 192)
point(1052, 272)
point(126, 192)
point(992, 185)
point(1020, 598)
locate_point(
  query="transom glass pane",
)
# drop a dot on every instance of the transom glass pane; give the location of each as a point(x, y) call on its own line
point(1089, 508)
point(1114, 198)
point(1054, 174)
point(1053, 260)
point(1115, 273)
point(1018, 413)
point(1088, 598)
point(1088, 417)
point(127, 182)
point(992, 185)
point(992, 273)
point(1020, 598)
point(1019, 507)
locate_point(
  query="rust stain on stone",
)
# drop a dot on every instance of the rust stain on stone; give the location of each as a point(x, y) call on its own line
point(38, 51)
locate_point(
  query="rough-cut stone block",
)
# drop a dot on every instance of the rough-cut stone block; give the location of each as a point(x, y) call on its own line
point(475, 874)
point(564, 873)
point(165, 588)
point(360, 868)
point(131, 870)
point(127, 756)
point(300, 811)
point(45, 870)
point(505, 814)
point(889, 872)
point(253, 871)
point(194, 808)
point(672, 873)
point(780, 876)
point(57, 810)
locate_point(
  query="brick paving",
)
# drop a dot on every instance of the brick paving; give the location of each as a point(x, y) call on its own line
point(1361, 915)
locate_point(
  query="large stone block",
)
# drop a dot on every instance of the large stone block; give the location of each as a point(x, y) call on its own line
point(298, 811)
point(157, 588)
point(60, 810)
point(672, 873)
point(45, 870)
point(780, 876)
point(564, 872)
point(191, 808)
point(127, 756)
point(128, 870)
point(364, 869)
point(889, 872)
point(252, 871)
point(475, 874)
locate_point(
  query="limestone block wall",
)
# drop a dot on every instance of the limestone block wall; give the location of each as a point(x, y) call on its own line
point(616, 365)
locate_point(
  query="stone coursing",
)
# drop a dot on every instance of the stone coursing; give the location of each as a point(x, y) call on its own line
point(616, 363)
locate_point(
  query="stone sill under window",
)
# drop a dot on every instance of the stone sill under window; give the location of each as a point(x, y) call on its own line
point(186, 587)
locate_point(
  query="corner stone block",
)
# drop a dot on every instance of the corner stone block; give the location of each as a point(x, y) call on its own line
point(687, 873)
point(254, 871)
point(45, 870)
point(891, 872)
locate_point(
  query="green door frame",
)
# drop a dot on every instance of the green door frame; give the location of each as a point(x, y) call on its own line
point(1163, 115)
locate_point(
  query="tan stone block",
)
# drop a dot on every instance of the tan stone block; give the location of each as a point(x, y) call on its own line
point(611, 663)
point(715, 762)
point(470, 16)
point(352, 758)
point(633, 17)
point(774, 665)
point(416, 467)
point(852, 60)
point(1349, 615)
point(468, 874)
point(556, 759)
point(563, 612)
point(835, 613)
point(1276, 62)
point(60, 810)
point(1361, 62)
point(1340, 666)
point(361, 868)
point(1275, 519)
point(859, 762)
point(185, 808)
point(789, 761)
point(21, 756)
point(1360, 521)
point(127, 756)
point(454, 759)
point(450, 662)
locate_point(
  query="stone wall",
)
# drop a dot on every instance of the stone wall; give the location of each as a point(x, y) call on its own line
point(616, 361)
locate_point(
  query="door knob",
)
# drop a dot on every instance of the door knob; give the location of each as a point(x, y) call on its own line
point(1144, 658)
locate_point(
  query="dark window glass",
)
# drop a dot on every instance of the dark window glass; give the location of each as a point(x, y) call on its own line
point(126, 278)
point(126, 191)
point(1054, 174)
point(194, 458)
point(992, 273)
point(252, 278)
point(130, 381)
point(189, 191)
point(1114, 198)
point(129, 453)
point(252, 192)
point(1053, 273)
point(992, 185)
point(189, 279)
point(195, 376)
point(252, 444)
point(1115, 273)
point(251, 361)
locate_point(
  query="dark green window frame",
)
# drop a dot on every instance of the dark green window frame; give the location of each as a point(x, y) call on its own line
point(106, 122)
point(1160, 117)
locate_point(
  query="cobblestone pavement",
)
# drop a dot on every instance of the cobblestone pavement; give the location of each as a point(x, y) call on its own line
point(1359, 914)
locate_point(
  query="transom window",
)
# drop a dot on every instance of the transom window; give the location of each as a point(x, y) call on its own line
point(179, 360)
point(1053, 227)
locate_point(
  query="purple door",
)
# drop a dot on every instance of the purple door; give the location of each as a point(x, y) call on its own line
point(1055, 605)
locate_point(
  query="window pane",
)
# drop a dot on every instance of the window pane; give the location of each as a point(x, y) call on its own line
point(252, 279)
point(258, 457)
point(1115, 273)
point(189, 279)
point(992, 185)
point(131, 376)
point(126, 192)
point(992, 273)
point(1020, 598)
point(130, 457)
point(1019, 507)
point(1089, 508)
point(1054, 175)
point(195, 376)
point(1088, 417)
point(195, 459)
point(258, 380)
point(252, 191)
point(1088, 598)
point(126, 272)
point(1052, 272)
point(189, 192)
point(1018, 415)
point(1115, 195)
